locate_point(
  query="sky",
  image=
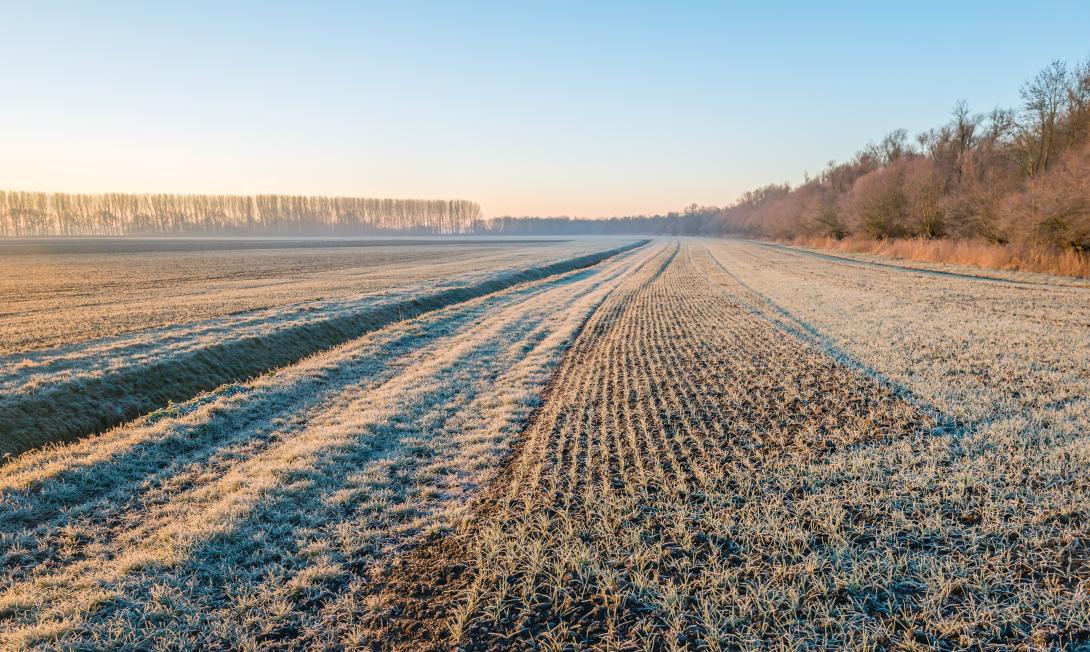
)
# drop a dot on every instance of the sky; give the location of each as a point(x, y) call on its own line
point(539, 108)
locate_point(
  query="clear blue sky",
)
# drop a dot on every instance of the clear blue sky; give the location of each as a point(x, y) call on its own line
point(582, 109)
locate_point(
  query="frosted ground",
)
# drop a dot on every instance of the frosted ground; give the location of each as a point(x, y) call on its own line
point(692, 443)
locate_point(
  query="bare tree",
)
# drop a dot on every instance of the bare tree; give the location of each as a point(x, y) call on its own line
point(1043, 98)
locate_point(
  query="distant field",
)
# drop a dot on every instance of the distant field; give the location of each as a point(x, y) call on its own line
point(70, 290)
point(690, 444)
point(110, 330)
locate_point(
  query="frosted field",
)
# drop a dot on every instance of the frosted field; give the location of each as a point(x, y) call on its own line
point(106, 330)
point(70, 291)
point(690, 444)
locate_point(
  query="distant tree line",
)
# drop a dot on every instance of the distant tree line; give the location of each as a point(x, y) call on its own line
point(120, 214)
point(1008, 176)
point(670, 224)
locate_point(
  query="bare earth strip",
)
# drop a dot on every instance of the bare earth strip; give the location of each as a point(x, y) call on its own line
point(239, 519)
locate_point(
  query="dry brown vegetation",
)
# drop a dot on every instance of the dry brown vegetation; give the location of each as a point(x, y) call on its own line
point(977, 253)
point(691, 445)
point(1012, 178)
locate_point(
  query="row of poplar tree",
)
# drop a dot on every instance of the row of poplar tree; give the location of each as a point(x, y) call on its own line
point(29, 214)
